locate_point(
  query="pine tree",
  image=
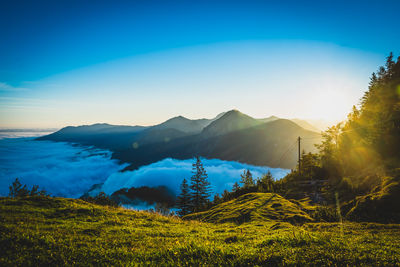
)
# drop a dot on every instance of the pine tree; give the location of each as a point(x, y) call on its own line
point(17, 190)
point(217, 199)
point(235, 187)
point(247, 179)
point(199, 186)
point(266, 183)
point(184, 199)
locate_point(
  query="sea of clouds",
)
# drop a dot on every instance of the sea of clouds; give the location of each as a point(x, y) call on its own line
point(68, 170)
point(59, 168)
point(170, 172)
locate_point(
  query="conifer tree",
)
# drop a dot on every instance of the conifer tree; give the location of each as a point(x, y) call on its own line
point(266, 183)
point(235, 187)
point(17, 190)
point(184, 204)
point(247, 179)
point(199, 186)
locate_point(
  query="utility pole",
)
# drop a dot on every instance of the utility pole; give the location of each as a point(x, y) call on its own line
point(299, 140)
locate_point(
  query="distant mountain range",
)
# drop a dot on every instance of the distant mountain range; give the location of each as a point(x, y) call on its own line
point(231, 135)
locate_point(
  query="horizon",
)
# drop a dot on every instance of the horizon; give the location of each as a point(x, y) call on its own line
point(135, 63)
point(319, 124)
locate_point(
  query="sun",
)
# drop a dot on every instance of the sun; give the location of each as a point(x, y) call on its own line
point(329, 105)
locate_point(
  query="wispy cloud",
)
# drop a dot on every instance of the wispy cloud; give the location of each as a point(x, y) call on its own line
point(4, 87)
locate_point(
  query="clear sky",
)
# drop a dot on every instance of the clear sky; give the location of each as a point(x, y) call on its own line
point(142, 62)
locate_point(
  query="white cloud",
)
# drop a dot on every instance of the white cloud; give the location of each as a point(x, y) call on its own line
point(170, 172)
point(70, 171)
point(61, 169)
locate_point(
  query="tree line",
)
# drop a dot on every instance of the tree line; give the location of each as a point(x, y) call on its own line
point(361, 155)
point(194, 197)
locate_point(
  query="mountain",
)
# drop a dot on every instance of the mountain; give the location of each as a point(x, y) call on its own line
point(264, 144)
point(306, 125)
point(184, 125)
point(269, 119)
point(101, 135)
point(230, 121)
point(272, 144)
point(230, 136)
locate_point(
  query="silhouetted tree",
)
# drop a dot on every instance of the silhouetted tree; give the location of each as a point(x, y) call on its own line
point(235, 187)
point(217, 199)
point(17, 190)
point(247, 179)
point(200, 187)
point(183, 201)
point(266, 183)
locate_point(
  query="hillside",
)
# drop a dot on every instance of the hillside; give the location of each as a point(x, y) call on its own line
point(254, 207)
point(41, 231)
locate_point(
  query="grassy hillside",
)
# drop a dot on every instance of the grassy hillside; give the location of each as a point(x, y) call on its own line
point(255, 207)
point(57, 231)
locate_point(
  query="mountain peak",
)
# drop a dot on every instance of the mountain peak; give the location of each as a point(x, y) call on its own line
point(232, 120)
point(177, 118)
point(182, 124)
point(233, 111)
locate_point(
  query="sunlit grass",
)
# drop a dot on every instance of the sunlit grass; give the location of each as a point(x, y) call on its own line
point(57, 231)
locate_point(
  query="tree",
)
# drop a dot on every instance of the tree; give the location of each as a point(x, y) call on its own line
point(266, 183)
point(199, 186)
point(247, 179)
point(183, 202)
point(235, 187)
point(17, 190)
point(217, 199)
point(35, 191)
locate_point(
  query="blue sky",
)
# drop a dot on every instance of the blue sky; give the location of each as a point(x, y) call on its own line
point(141, 62)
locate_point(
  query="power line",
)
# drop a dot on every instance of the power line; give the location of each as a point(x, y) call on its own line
point(290, 148)
point(298, 140)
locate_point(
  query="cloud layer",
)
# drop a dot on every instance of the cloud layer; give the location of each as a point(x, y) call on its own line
point(170, 172)
point(70, 171)
point(60, 168)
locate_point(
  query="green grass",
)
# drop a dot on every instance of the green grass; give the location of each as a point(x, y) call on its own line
point(58, 231)
point(255, 207)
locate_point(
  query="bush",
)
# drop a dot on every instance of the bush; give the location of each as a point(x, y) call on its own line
point(325, 214)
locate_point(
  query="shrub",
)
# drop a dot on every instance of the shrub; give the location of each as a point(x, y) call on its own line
point(325, 214)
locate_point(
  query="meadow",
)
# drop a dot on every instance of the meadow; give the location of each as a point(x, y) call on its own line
point(37, 231)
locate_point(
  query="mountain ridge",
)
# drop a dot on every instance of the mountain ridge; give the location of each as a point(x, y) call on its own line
point(230, 135)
